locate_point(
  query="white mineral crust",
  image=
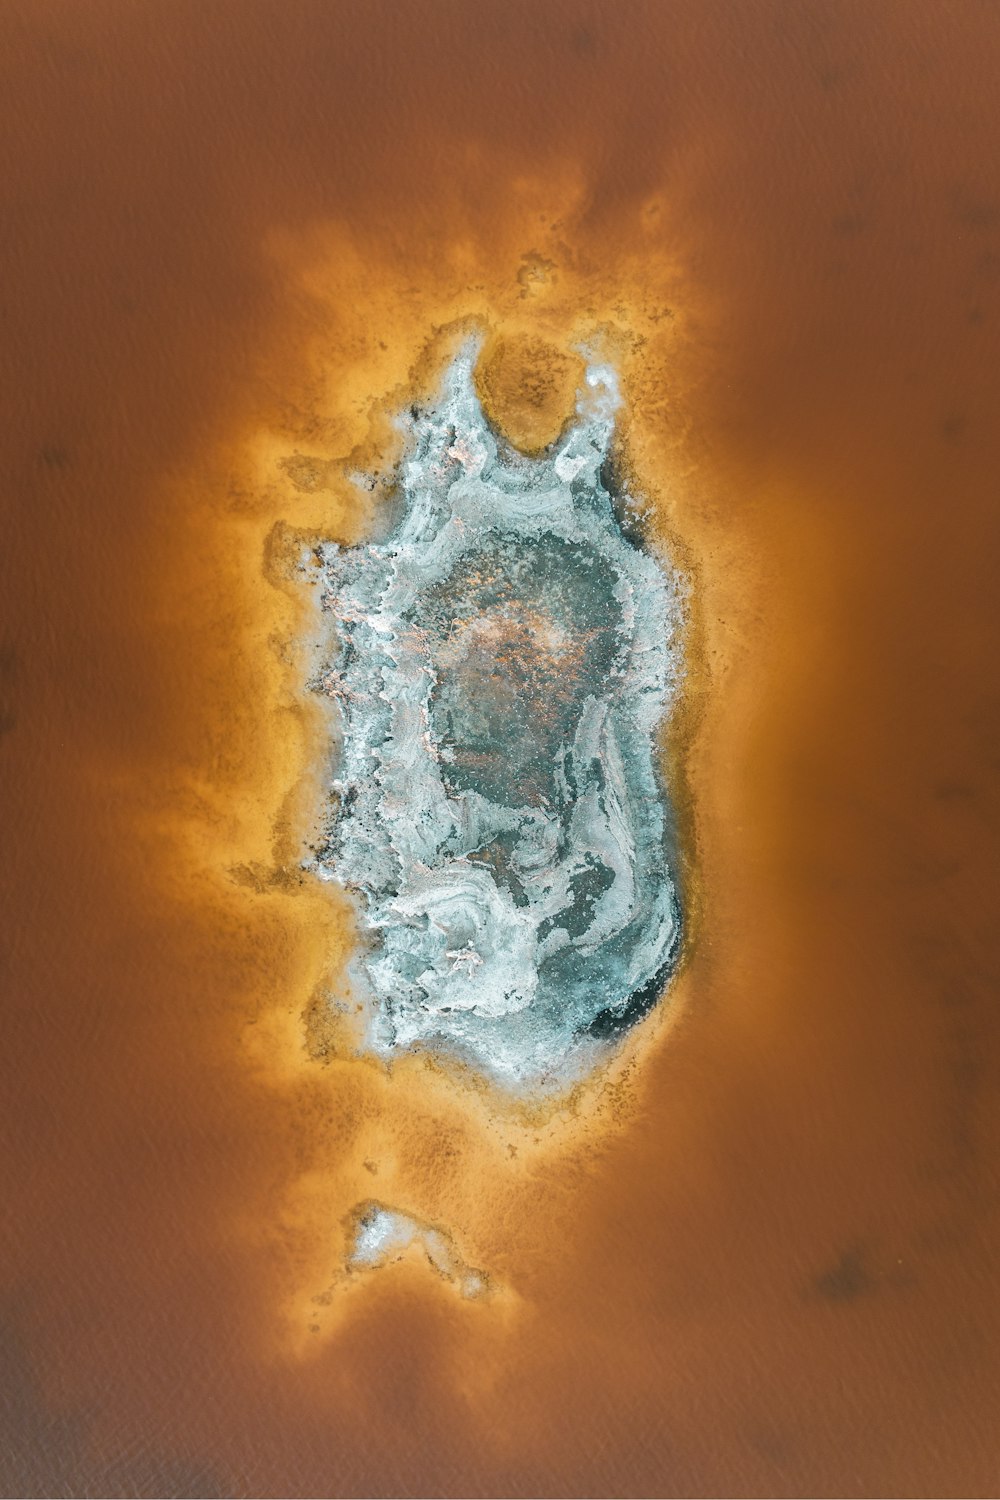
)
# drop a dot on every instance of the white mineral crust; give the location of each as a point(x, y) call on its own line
point(502, 667)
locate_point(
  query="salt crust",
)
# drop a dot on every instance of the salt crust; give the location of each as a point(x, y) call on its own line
point(501, 666)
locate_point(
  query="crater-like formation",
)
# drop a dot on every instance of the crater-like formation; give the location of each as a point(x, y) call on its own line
point(502, 666)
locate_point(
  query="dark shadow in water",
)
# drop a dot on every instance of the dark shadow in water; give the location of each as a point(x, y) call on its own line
point(47, 1452)
point(848, 1278)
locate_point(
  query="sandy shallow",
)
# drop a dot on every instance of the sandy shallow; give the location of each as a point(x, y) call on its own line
point(481, 1149)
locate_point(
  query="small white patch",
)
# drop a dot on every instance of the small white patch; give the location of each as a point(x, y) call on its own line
point(383, 1235)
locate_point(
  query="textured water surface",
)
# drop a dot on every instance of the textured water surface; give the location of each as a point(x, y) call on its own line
point(765, 1261)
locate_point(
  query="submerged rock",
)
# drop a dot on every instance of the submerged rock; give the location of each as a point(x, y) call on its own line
point(503, 664)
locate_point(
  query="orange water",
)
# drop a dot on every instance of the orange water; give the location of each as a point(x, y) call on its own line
point(759, 1257)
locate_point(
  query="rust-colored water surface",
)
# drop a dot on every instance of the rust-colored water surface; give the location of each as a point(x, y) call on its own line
point(754, 1255)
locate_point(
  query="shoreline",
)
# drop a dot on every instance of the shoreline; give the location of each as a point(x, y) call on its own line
point(298, 1043)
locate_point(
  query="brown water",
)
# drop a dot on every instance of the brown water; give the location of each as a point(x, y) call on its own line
point(760, 1256)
